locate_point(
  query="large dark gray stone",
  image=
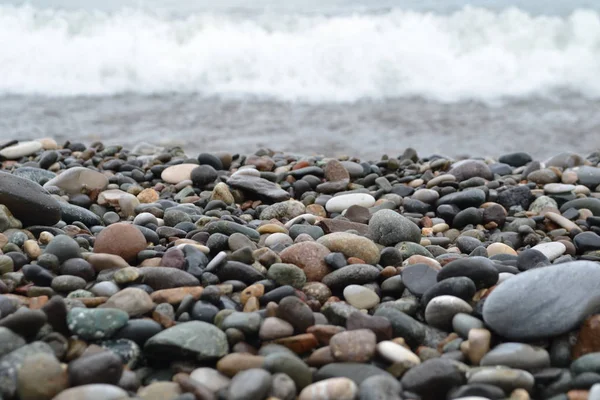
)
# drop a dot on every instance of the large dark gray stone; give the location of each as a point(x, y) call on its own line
point(28, 201)
point(544, 302)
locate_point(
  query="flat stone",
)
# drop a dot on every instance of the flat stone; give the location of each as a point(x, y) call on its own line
point(589, 203)
point(95, 324)
point(464, 199)
point(589, 176)
point(351, 275)
point(135, 302)
point(556, 188)
point(351, 245)
point(522, 309)
point(258, 186)
point(166, 278)
point(517, 355)
point(504, 378)
point(77, 179)
point(339, 225)
point(28, 201)
point(199, 339)
point(337, 204)
point(479, 269)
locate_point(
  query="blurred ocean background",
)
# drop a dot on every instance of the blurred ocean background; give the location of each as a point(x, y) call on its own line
point(361, 78)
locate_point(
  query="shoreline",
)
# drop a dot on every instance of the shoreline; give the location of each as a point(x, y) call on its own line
point(213, 275)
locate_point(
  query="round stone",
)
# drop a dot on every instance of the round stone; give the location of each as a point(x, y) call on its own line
point(351, 245)
point(121, 239)
point(441, 310)
point(360, 297)
point(388, 228)
point(41, 377)
point(28, 201)
point(329, 389)
point(178, 173)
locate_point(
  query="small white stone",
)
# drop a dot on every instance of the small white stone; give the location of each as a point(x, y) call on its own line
point(178, 173)
point(395, 353)
point(340, 203)
point(360, 297)
point(500, 248)
point(551, 250)
point(21, 149)
point(554, 188)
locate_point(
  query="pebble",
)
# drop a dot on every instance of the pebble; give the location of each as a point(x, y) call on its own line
point(20, 149)
point(337, 204)
point(522, 309)
point(407, 277)
point(351, 245)
point(360, 297)
point(330, 389)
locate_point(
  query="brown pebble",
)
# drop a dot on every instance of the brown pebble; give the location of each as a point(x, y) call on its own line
point(189, 385)
point(388, 272)
point(121, 239)
point(92, 302)
point(324, 333)
point(299, 344)
point(588, 339)
point(353, 346)
point(577, 395)
point(252, 304)
point(233, 363)
point(355, 260)
point(147, 196)
point(320, 357)
point(176, 295)
point(256, 290)
point(479, 344)
point(519, 394)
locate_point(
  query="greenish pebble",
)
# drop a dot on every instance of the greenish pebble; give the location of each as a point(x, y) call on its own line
point(96, 323)
point(290, 365)
point(587, 363)
point(287, 274)
point(313, 231)
point(126, 275)
point(408, 249)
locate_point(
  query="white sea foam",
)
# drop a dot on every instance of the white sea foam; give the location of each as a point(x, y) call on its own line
point(470, 54)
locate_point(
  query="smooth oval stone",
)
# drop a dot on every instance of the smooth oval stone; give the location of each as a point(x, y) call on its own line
point(139, 330)
point(387, 227)
point(71, 213)
point(20, 149)
point(587, 363)
point(465, 199)
point(504, 378)
point(522, 308)
point(462, 323)
point(290, 365)
point(479, 269)
point(351, 274)
point(467, 169)
point(211, 378)
point(360, 297)
point(517, 355)
point(589, 203)
point(396, 353)
point(338, 204)
point(37, 175)
point(441, 310)
point(199, 339)
point(403, 325)
point(178, 173)
point(102, 367)
point(530, 258)
point(74, 180)
point(351, 245)
point(28, 201)
point(261, 187)
point(166, 278)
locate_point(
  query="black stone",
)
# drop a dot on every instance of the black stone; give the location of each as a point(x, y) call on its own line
point(531, 258)
point(479, 269)
point(515, 196)
point(461, 287)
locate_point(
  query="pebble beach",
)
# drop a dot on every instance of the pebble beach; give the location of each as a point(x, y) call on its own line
point(157, 274)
